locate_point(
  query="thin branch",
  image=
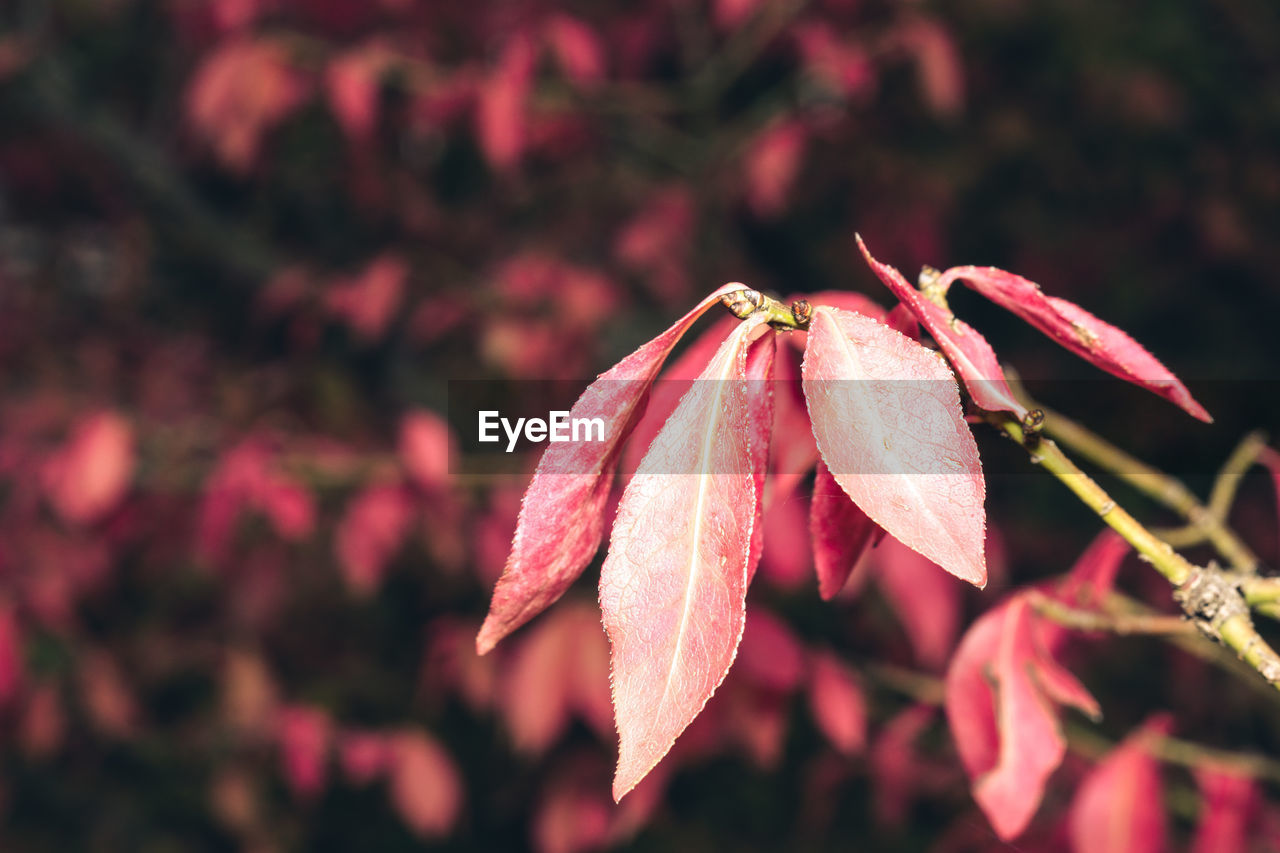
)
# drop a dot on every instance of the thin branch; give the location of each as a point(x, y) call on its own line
point(1124, 624)
point(1208, 595)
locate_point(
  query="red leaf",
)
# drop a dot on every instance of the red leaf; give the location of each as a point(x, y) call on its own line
point(11, 666)
point(353, 81)
point(578, 50)
point(841, 533)
point(786, 560)
point(562, 514)
point(1093, 576)
point(887, 419)
point(426, 788)
point(1119, 807)
point(501, 113)
point(772, 163)
point(90, 474)
point(242, 89)
point(561, 668)
point(426, 448)
point(793, 450)
point(838, 706)
point(370, 534)
point(668, 390)
point(1079, 331)
point(369, 301)
point(770, 656)
point(1001, 719)
point(925, 599)
point(938, 62)
point(969, 353)
point(364, 756)
point(673, 588)
point(1228, 806)
point(305, 735)
point(759, 388)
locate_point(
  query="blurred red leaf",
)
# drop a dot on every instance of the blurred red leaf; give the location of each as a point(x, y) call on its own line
point(673, 587)
point(364, 755)
point(501, 119)
point(562, 514)
point(368, 302)
point(426, 788)
point(11, 657)
point(770, 655)
point(305, 735)
point(561, 668)
point(427, 448)
point(837, 703)
point(86, 478)
point(888, 422)
point(370, 533)
point(242, 89)
point(578, 50)
point(772, 163)
point(1119, 807)
point(926, 599)
point(246, 478)
point(938, 60)
point(1229, 805)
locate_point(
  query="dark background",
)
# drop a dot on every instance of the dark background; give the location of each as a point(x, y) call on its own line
point(214, 228)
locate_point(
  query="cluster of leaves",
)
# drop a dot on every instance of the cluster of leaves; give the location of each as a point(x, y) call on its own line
point(240, 584)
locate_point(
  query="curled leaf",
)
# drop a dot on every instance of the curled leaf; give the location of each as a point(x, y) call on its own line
point(1076, 329)
point(673, 588)
point(969, 353)
point(886, 416)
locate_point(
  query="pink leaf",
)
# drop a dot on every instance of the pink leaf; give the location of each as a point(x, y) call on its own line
point(90, 474)
point(1093, 576)
point(673, 588)
point(760, 406)
point(838, 706)
point(501, 113)
point(969, 353)
point(1079, 331)
point(364, 756)
point(305, 735)
point(1229, 804)
point(370, 534)
point(841, 533)
point(793, 450)
point(426, 448)
point(11, 665)
point(562, 514)
point(1119, 807)
point(578, 50)
point(1002, 721)
point(887, 419)
point(772, 163)
point(369, 301)
point(770, 656)
point(925, 599)
point(426, 788)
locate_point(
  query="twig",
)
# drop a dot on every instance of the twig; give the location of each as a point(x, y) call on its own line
point(1207, 594)
point(1124, 624)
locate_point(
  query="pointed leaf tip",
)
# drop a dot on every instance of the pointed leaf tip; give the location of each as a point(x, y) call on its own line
point(561, 517)
point(673, 587)
point(887, 419)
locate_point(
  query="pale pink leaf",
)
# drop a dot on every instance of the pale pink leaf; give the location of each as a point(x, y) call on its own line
point(837, 703)
point(562, 513)
point(500, 114)
point(673, 588)
point(969, 353)
point(89, 475)
point(886, 415)
point(770, 655)
point(841, 533)
point(426, 787)
point(1119, 807)
point(426, 447)
point(924, 598)
point(1095, 341)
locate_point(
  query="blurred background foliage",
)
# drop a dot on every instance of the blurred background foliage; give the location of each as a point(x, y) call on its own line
point(244, 244)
